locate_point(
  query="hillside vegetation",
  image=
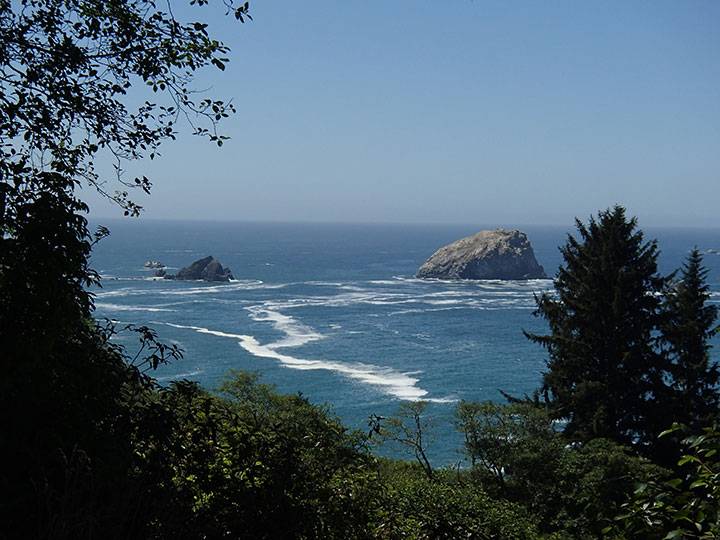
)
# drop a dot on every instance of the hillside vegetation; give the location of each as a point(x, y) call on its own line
point(93, 447)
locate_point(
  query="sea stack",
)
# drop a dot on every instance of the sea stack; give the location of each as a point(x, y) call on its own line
point(498, 254)
point(207, 269)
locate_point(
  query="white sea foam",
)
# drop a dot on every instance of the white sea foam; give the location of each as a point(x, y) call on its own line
point(296, 334)
point(477, 295)
point(237, 285)
point(408, 311)
point(211, 289)
point(344, 300)
point(179, 376)
point(120, 307)
point(108, 277)
point(399, 384)
point(453, 293)
point(462, 299)
point(444, 302)
point(207, 331)
point(414, 280)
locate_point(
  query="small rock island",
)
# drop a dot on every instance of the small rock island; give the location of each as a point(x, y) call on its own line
point(498, 254)
point(207, 269)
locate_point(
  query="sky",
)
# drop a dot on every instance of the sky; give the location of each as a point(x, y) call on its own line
point(468, 111)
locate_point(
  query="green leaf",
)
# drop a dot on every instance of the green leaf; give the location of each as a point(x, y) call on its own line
point(669, 431)
point(674, 483)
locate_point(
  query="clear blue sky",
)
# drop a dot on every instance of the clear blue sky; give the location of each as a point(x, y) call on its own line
point(469, 111)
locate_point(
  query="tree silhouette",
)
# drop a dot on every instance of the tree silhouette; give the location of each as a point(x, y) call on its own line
point(74, 78)
point(604, 371)
point(688, 326)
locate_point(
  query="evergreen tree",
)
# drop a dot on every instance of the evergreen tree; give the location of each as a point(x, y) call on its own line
point(687, 326)
point(604, 369)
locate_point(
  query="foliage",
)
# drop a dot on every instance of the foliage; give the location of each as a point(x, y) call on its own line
point(688, 325)
point(256, 464)
point(95, 448)
point(498, 437)
point(591, 480)
point(684, 507)
point(409, 429)
point(63, 390)
point(72, 421)
point(415, 507)
point(70, 404)
point(604, 372)
point(518, 455)
point(70, 74)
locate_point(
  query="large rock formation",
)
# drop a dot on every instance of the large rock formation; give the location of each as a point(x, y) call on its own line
point(207, 269)
point(498, 254)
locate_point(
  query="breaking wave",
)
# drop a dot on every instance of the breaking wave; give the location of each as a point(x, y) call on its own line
point(401, 385)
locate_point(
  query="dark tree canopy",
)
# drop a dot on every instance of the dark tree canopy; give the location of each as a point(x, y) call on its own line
point(689, 323)
point(71, 76)
point(604, 371)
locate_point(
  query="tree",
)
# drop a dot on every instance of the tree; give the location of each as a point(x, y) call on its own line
point(251, 463)
point(519, 455)
point(604, 371)
point(68, 72)
point(409, 429)
point(688, 325)
point(416, 507)
point(687, 506)
point(498, 438)
point(72, 75)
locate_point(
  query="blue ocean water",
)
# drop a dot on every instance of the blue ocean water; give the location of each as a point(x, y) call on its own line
point(333, 311)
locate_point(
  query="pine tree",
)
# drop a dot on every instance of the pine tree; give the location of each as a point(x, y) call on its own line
point(604, 370)
point(687, 326)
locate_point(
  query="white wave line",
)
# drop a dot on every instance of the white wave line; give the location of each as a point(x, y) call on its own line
point(178, 376)
point(231, 287)
point(398, 384)
point(119, 307)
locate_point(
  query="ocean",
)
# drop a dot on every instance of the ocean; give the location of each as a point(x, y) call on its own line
point(333, 311)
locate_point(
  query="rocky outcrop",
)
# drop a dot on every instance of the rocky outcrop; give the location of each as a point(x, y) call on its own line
point(498, 254)
point(207, 269)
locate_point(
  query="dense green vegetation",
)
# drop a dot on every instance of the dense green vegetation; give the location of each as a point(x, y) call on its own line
point(626, 345)
point(603, 367)
point(93, 447)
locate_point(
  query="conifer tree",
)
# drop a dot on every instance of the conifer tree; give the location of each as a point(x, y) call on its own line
point(604, 371)
point(687, 326)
